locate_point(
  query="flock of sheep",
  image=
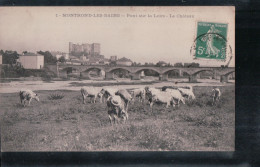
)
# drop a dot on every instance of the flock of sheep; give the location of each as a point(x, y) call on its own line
point(118, 100)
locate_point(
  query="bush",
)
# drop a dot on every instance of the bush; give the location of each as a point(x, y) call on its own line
point(55, 96)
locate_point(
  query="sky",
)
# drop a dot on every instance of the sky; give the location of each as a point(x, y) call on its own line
point(165, 36)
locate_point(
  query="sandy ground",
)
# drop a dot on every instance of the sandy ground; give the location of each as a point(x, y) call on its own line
point(16, 86)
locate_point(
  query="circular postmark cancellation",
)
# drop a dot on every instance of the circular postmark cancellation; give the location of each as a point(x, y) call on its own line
point(211, 42)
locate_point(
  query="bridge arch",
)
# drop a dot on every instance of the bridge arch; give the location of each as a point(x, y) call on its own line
point(119, 68)
point(139, 70)
point(225, 77)
point(92, 72)
point(70, 72)
point(92, 68)
point(203, 70)
point(169, 70)
point(70, 69)
point(118, 71)
point(228, 73)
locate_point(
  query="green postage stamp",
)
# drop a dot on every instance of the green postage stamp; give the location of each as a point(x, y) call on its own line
point(211, 41)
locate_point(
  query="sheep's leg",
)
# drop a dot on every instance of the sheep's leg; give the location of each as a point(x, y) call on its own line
point(167, 104)
point(84, 99)
point(213, 100)
point(110, 119)
point(101, 99)
point(173, 103)
point(29, 102)
point(126, 114)
point(23, 102)
point(127, 105)
point(151, 106)
point(116, 119)
point(183, 100)
point(125, 118)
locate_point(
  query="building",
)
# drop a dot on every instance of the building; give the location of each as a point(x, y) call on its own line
point(104, 61)
point(1, 59)
point(113, 58)
point(31, 60)
point(95, 49)
point(162, 63)
point(83, 58)
point(88, 49)
point(60, 54)
point(124, 62)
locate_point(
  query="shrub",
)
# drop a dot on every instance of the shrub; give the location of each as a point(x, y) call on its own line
point(55, 96)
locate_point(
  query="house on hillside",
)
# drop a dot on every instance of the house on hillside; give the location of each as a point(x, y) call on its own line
point(104, 61)
point(59, 55)
point(31, 60)
point(161, 63)
point(124, 62)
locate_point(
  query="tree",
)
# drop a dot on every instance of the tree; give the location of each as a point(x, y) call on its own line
point(10, 57)
point(178, 65)
point(134, 64)
point(62, 59)
point(48, 58)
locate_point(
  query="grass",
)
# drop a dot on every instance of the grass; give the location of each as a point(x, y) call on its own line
point(55, 96)
point(67, 124)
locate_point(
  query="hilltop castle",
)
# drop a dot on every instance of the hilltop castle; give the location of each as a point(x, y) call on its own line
point(86, 49)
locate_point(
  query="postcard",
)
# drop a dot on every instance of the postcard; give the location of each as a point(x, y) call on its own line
point(117, 78)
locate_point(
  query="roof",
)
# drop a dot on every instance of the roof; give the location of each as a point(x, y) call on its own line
point(31, 54)
point(54, 53)
point(124, 60)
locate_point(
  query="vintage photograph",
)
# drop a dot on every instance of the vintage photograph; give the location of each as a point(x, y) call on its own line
point(117, 78)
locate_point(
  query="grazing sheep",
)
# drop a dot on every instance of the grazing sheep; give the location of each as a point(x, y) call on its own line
point(126, 97)
point(215, 95)
point(156, 95)
point(28, 95)
point(91, 92)
point(116, 109)
point(139, 93)
point(176, 95)
point(106, 92)
point(188, 93)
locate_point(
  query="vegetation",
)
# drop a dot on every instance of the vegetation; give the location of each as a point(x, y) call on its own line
point(69, 125)
point(48, 58)
point(62, 59)
point(9, 57)
point(56, 96)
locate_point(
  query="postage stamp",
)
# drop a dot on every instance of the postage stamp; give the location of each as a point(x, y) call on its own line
point(211, 41)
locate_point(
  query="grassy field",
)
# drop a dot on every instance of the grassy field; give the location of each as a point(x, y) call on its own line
point(69, 125)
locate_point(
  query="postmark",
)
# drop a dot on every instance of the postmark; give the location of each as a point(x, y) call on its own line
point(211, 42)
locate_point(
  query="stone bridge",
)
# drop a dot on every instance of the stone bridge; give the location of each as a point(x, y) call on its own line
point(62, 70)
